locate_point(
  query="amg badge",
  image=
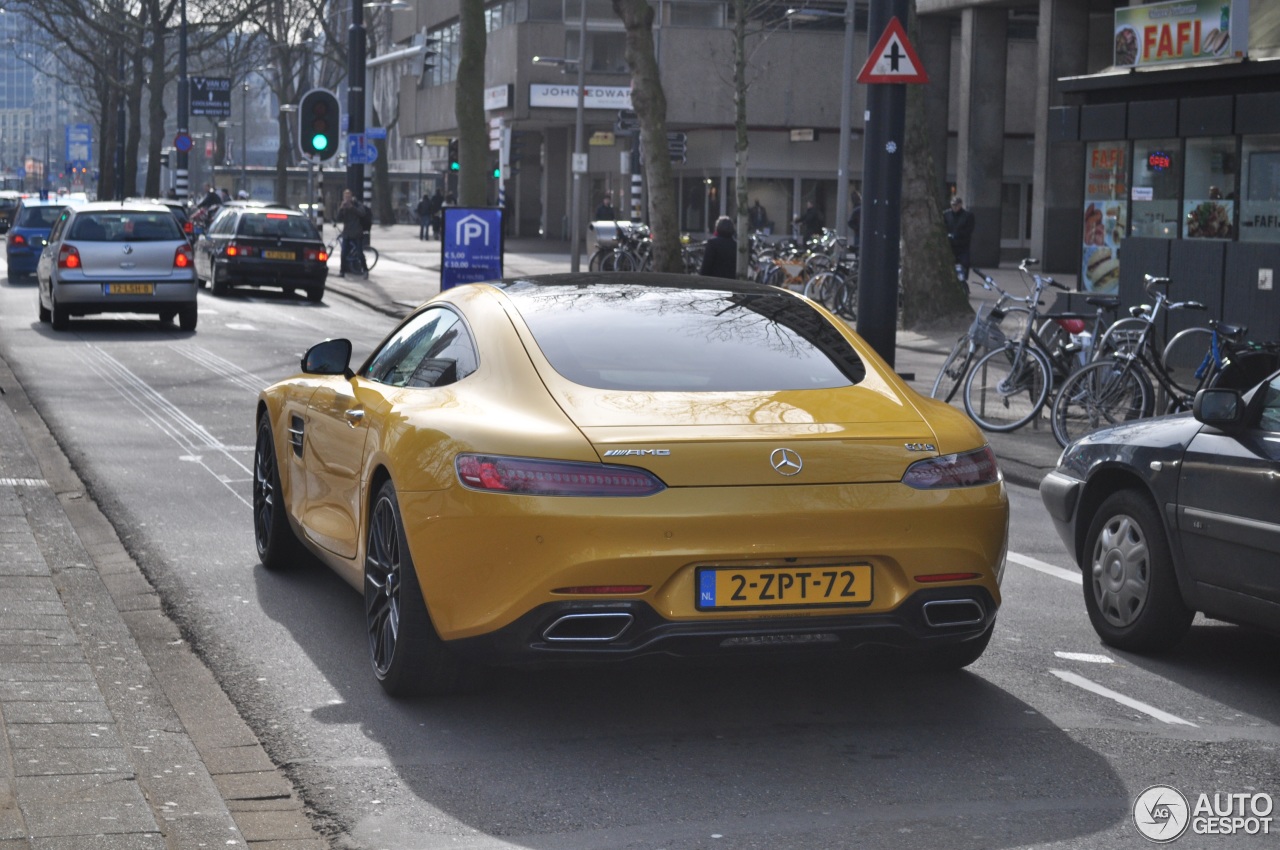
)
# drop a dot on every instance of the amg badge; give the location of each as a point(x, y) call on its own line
point(637, 452)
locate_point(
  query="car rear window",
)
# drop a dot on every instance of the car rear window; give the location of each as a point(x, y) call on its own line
point(277, 225)
point(126, 226)
point(626, 337)
point(38, 216)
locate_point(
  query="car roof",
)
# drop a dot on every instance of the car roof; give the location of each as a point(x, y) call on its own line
point(51, 202)
point(115, 206)
point(251, 204)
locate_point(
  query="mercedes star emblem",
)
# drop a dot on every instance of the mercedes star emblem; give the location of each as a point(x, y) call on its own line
point(785, 462)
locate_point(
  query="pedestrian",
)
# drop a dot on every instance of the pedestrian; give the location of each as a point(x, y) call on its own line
point(437, 213)
point(226, 194)
point(959, 222)
point(855, 221)
point(757, 218)
point(423, 211)
point(811, 222)
point(211, 198)
point(243, 195)
point(354, 218)
point(720, 254)
point(605, 211)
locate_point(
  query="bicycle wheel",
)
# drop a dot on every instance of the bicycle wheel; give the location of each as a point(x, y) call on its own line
point(1103, 393)
point(953, 371)
point(1007, 387)
point(596, 263)
point(1121, 337)
point(370, 257)
point(1186, 357)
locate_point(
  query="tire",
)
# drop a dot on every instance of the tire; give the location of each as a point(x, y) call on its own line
point(43, 312)
point(1001, 397)
point(1130, 588)
point(1184, 356)
point(1120, 337)
point(278, 547)
point(370, 258)
point(596, 263)
point(957, 656)
point(167, 316)
point(954, 370)
point(315, 294)
point(1101, 394)
point(408, 657)
point(60, 318)
point(187, 318)
point(218, 283)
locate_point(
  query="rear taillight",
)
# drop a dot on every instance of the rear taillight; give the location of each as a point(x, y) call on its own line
point(965, 469)
point(236, 250)
point(535, 477)
point(68, 257)
point(17, 239)
point(182, 257)
point(316, 255)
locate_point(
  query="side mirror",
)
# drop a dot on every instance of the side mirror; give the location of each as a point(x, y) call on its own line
point(1221, 408)
point(331, 357)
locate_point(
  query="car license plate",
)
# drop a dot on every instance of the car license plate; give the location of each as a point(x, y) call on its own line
point(129, 289)
point(280, 255)
point(793, 587)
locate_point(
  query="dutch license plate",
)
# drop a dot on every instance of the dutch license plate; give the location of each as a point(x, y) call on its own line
point(771, 587)
point(279, 255)
point(129, 288)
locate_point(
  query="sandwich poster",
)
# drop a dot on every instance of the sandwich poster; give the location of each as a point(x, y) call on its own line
point(1105, 212)
point(1181, 31)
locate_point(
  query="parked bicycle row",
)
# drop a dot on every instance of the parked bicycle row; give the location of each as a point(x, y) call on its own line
point(1018, 363)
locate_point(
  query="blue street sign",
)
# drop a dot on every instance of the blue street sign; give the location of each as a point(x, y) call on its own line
point(472, 247)
point(375, 132)
point(79, 145)
point(359, 151)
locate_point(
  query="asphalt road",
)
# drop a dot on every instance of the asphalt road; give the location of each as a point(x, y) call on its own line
point(1045, 742)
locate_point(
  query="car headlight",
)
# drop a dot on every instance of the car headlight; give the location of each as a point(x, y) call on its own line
point(538, 477)
point(963, 469)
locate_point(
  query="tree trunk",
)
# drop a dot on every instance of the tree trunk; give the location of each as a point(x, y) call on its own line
point(740, 146)
point(155, 108)
point(930, 292)
point(650, 105)
point(473, 132)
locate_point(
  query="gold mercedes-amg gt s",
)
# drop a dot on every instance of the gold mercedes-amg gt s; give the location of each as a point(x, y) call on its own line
point(607, 466)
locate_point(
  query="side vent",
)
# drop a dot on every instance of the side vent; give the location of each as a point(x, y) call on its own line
point(295, 434)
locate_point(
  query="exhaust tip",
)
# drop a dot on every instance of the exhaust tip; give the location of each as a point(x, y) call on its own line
point(595, 628)
point(953, 612)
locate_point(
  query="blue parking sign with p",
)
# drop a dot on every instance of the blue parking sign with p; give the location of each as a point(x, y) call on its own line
point(473, 245)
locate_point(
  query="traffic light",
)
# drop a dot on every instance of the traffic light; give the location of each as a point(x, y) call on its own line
point(318, 119)
point(430, 50)
point(453, 154)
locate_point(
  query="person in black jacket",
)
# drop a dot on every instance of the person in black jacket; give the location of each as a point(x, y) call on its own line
point(720, 255)
point(959, 222)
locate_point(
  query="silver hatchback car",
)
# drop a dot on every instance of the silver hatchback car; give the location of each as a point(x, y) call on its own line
point(114, 257)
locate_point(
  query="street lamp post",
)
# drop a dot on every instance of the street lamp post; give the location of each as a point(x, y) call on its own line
point(422, 143)
point(244, 137)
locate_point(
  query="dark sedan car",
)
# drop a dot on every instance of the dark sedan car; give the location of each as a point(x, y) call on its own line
point(262, 245)
point(1171, 516)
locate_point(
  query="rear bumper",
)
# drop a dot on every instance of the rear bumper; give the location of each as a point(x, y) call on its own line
point(1061, 495)
point(594, 631)
point(269, 273)
point(85, 298)
point(22, 260)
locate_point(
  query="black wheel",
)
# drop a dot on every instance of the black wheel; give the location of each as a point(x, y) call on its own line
point(278, 546)
point(1007, 388)
point(408, 656)
point(315, 294)
point(1130, 589)
point(370, 258)
point(218, 283)
point(596, 262)
point(1101, 394)
point(187, 318)
point(60, 317)
point(43, 311)
point(953, 371)
point(957, 655)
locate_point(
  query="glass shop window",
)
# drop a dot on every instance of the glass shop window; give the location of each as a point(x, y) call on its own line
point(1209, 193)
point(1157, 179)
point(1260, 189)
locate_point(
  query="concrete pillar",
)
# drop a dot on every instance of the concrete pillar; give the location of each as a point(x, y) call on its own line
point(1058, 170)
point(935, 53)
point(984, 60)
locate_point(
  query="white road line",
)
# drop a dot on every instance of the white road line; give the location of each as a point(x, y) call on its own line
point(1094, 687)
point(1087, 657)
point(1027, 561)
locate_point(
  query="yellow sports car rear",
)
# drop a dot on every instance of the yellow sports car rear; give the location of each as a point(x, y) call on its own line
point(607, 466)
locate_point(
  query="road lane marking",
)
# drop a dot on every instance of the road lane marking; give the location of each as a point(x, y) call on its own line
point(1094, 687)
point(1088, 657)
point(1030, 563)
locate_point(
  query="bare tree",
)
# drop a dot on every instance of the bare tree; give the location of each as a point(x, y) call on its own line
point(473, 136)
point(650, 104)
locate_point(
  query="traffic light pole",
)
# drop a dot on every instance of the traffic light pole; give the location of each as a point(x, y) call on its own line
point(355, 93)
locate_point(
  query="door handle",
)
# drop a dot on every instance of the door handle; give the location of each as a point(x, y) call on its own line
point(354, 416)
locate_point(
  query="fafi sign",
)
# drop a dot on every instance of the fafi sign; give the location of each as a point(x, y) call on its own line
point(472, 250)
point(1181, 31)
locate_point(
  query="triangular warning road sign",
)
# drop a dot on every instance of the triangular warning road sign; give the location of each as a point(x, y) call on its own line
point(893, 59)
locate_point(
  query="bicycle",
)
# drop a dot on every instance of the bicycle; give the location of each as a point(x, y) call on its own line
point(837, 288)
point(991, 328)
point(369, 254)
point(1008, 386)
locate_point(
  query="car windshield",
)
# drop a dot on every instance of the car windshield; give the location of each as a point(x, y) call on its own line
point(39, 216)
point(626, 337)
point(126, 226)
point(277, 225)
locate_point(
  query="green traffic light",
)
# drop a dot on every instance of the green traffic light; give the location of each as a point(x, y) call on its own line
point(319, 141)
point(453, 166)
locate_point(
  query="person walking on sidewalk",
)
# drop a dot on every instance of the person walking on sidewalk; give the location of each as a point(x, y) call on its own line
point(354, 218)
point(437, 214)
point(959, 222)
point(423, 211)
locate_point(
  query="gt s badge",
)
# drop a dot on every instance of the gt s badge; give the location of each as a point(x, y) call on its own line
point(919, 447)
point(637, 452)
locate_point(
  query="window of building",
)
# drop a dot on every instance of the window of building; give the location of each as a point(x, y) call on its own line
point(445, 63)
point(606, 51)
point(546, 10)
point(1260, 189)
point(1209, 193)
point(1157, 180)
point(599, 13)
point(691, 13)
point(499, 15)
point(1105, 204)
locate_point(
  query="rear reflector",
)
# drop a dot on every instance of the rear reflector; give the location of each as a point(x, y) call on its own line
point(537, 477)
point(938, 577)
